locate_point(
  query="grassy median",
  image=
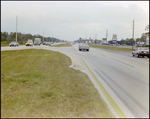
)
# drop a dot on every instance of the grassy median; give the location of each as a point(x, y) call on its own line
point(62, 45)
point(111, 48)
point(6, 43)
point(40, 83)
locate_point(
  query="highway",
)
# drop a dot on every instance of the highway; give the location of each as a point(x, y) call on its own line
point(124, 77)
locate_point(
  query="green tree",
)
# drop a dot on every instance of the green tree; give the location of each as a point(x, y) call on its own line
point(138, 39)
point(4, 36)
point(127, 39)
point(2, 39)
point(147, 28)
point(131, 39)
point(95, 41)
point(13, 36)
point(143, 37)
point(127, 43)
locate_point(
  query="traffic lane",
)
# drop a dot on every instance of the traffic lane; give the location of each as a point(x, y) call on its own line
point(126, 46)
point(139, 63)
point(125, 53)
point(128, 87)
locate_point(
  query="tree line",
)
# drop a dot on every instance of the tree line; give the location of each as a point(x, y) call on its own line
point(9, 37)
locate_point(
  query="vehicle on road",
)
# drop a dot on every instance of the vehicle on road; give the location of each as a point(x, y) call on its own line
point(29, 42)
point(48, 43)
point(37, 41)
point(104, 43)
point(141, 51)
point(84, 46)
point(14, 44)
point(44, 43)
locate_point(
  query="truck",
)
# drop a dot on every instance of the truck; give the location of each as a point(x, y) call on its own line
point(37, 41)
point(29, 42)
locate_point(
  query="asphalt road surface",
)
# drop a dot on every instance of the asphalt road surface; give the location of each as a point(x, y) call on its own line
point(124, 77)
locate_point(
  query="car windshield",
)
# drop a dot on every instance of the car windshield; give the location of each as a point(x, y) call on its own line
point(13, 42)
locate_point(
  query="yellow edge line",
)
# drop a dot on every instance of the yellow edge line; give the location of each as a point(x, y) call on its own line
point(112, 102)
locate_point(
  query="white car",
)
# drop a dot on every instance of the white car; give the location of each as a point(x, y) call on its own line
point(141, 51)
point(14, 44)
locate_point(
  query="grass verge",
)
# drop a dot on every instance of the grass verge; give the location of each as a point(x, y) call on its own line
point(6, 43)
point(40, 83)
point(111, 48)
point(62, 45)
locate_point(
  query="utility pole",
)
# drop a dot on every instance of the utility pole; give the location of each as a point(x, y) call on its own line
point(16, 28)
point(95, 35)
point(96, 38)
point(106, 34)
point(52, 37)
point(133, 34)
point(43, 35)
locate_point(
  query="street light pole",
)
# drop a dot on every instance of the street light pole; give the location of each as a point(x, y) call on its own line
point(43, 35)
point(52, 37)
point(16, 28)
point(133, 34)
point(106, 34)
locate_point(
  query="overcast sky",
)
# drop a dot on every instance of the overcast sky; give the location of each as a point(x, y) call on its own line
point(70, 20)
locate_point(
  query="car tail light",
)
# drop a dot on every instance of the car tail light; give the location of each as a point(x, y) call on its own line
point(140, 51)
point(147, 52)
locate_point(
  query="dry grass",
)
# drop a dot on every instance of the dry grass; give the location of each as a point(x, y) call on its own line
point(111, 48)
point(40, 83)
point(5, 43)
point(62, 45)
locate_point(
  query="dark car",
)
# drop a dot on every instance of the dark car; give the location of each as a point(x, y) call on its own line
point(44, 43)
point(104, 43)
point(14, 44)
point(48, 43)
point(141, 51)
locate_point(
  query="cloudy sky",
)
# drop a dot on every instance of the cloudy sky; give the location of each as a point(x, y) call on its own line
point(70, 20)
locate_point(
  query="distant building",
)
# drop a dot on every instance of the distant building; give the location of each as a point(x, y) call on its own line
point(104, 40)
point(110, 42)
point(114, 38)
